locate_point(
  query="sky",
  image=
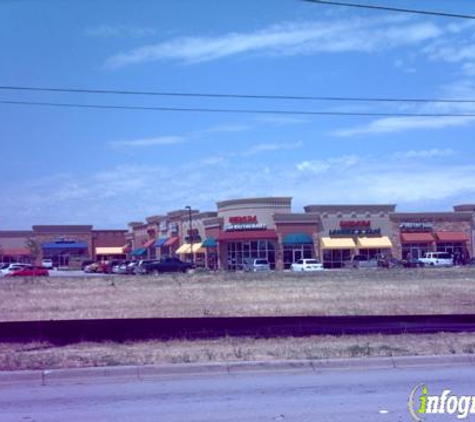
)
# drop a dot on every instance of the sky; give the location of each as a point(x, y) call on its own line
point(107, 167)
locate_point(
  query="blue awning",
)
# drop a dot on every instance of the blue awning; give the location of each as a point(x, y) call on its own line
point(64, 245)
point(297, 239)
point(139, 252)
point(210, 242)
point(160, 242)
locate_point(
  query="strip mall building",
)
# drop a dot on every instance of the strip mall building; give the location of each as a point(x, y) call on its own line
point(267, 228)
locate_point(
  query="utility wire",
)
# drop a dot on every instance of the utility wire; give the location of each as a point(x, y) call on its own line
point(243, 96)
point(392, 9)
point(229, 110)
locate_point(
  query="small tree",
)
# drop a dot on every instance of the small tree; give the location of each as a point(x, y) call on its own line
point(33, 246)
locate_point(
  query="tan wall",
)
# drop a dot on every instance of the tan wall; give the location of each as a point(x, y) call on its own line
point(438, 225)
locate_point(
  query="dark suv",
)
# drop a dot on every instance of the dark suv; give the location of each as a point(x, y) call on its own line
point(166, 265)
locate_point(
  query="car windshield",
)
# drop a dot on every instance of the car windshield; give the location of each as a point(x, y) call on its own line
point(261, 262)
point(312, 261)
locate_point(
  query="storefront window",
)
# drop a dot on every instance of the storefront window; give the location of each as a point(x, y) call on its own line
point(335, 258)
point(415, 250)
point(238, 251)
point(292, 253)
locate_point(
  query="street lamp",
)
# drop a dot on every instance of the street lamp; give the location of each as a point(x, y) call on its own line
point(190, 234)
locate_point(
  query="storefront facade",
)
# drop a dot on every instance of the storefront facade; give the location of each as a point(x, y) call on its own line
point(413, 234)
point(349, 230)
point(249, 230)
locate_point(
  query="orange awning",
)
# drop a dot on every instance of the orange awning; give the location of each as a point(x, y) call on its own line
point(452, 237)
point(172, 241)
point(422, 237)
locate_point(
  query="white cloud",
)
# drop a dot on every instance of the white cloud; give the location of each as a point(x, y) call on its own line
point(147, 142)
point(263, 148)
point(107, 31)
point(403, 124)
point(116, 195)
point(337, 36)
point(322, 166)
point(428, 153)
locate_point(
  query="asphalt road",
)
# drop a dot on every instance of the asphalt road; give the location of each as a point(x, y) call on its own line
point(327, 395)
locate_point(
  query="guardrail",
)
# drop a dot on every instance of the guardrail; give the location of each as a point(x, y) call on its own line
point(71, 331)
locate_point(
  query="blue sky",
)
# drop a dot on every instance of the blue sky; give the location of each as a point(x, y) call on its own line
point(108, 167)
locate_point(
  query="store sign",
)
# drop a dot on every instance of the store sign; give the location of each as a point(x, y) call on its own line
point(415, 227)
point(355, 224)
point(355, 227)
point(353, 232)
point(247, 222)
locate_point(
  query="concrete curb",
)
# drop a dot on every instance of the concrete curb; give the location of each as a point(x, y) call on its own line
point(148, 372)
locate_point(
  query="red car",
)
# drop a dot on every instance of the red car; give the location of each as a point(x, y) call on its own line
point(29, 271)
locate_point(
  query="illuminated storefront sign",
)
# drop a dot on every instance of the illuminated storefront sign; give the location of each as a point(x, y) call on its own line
point(417, 227)
point(247, 222)
point(355, 227)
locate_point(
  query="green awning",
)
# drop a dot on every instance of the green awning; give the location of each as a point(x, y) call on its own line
point(297, 239)
point(139, 252)
point(210, 242)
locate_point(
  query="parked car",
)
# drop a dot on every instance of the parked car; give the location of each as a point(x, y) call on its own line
point(29, 271)
point(255, 264)
point(306, 265)
point(7, 268)
point(47, 263)
point(363, 261)
point(437, 259)
point(140, 267)
point(166, 265)
point(92, 268)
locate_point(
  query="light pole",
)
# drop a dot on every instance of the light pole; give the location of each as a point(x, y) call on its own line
point(190, 234)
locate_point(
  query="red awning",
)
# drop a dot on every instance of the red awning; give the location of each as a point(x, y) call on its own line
point(172, 241)
point(422, 237)
point(14, 252)
point(452, 237)
point(247, 235)
point(148, 243)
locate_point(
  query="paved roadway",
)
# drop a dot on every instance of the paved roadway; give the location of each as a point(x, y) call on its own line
point(317, 396)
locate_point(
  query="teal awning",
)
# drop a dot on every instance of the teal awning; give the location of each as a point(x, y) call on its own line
point(139, 252)
point(210, 242)
point(297, 239)
point(160, 242)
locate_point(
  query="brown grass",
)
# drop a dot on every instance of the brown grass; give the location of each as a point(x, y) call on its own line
point(396, 291)
point(47, 356)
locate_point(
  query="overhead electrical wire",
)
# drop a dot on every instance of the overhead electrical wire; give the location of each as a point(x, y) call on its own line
point(392, 9)
point(229, 110)
point(236, 96)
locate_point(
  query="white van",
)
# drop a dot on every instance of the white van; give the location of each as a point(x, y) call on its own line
point(437, 259)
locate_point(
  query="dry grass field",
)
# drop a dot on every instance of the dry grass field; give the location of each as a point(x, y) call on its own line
point(229, 349)
point(351, 292)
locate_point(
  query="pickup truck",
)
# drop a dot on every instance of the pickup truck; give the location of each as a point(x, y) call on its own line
point(167, 265)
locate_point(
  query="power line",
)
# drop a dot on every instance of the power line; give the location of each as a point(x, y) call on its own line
point(230, 95)
point(392, 9)
point(229, 110)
